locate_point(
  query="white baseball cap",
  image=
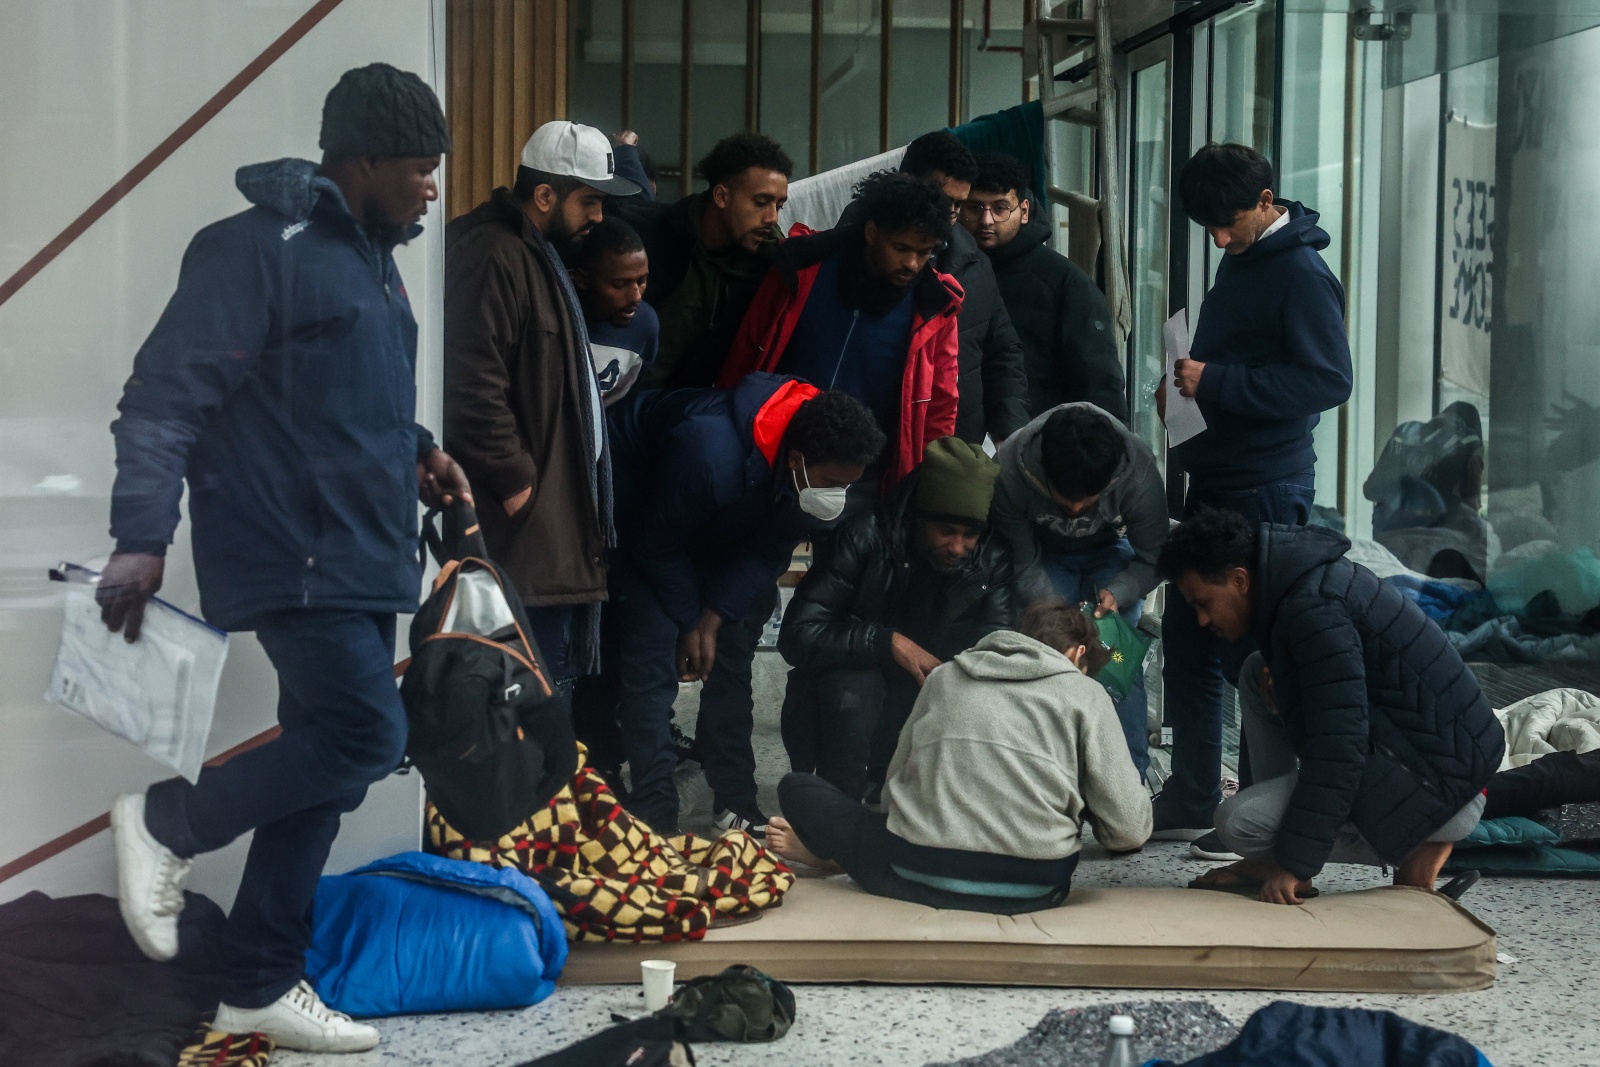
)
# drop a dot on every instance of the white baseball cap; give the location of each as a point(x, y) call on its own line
point(572, 150)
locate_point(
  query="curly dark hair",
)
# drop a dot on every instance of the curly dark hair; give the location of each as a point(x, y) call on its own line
point(609, 236)
point(835, 427)
point(739, 152)
point(1221, 180)
point(1210, 544)
point(999, 173)
point(1081, 450)
point(1063, 626)
point(898, 202)
point(940, 151)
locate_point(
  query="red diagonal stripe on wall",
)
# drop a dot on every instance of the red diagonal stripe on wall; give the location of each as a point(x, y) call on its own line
point(159, 154)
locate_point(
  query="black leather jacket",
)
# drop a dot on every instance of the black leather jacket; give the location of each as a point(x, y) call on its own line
point(842, 612)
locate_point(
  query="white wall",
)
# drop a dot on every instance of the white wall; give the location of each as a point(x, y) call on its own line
point(90, 86)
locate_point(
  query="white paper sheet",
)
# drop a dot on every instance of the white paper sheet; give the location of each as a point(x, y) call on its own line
point(159, 692)
point(1183, 414)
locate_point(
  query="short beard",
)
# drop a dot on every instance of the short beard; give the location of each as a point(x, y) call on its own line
point(381, 230)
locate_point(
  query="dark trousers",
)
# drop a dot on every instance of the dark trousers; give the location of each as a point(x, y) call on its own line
point(836, 827)
point(595, 700)
point(832, 717)
point(1198, 661)
point(648, 680)
point(343, 729)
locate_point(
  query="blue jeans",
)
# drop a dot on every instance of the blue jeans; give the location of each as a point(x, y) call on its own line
point(648, 684)
point(343, 729)
point(1079, 576)
point(1198, 661)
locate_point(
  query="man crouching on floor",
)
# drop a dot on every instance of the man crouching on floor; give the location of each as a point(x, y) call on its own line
point(1369, 740)
point(1010, 748)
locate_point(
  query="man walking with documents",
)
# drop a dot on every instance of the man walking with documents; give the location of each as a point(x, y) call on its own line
point(1269, 356)
point(279, 382)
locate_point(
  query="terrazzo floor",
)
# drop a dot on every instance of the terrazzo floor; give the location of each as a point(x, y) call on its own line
point(1544, 1011)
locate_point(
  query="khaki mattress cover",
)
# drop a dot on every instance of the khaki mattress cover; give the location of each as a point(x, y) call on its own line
point(1388, 939)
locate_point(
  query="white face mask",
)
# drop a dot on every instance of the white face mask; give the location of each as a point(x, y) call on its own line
point(824, 504)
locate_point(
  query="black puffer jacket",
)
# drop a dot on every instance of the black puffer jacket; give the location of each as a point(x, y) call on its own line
point(1391, 729)
point(842, 613)
point(1068, 345)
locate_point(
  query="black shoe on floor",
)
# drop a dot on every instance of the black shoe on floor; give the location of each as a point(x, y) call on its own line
point(683, 746)
point(1173, 827)
point(751, 822)
point(1210, 847)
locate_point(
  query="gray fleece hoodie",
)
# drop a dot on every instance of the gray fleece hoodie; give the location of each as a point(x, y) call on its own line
point(1134, 505)
point(1008, 749)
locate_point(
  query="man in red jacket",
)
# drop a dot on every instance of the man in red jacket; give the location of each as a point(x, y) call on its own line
point(862, 309)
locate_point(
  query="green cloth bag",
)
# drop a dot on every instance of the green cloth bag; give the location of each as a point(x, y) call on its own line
point(1128, 646)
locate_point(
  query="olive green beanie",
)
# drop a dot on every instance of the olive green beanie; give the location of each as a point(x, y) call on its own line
point(956, 481)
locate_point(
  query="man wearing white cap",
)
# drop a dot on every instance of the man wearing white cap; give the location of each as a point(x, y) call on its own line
point(522, 403)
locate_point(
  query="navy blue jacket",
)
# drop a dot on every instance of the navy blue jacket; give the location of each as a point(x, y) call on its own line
point(280, 382)
point(703, 518)
point(1285, 1034)
point(1392, 731)
point(1271, 334)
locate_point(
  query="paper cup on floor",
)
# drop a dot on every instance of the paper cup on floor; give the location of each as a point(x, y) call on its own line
point(657, 976)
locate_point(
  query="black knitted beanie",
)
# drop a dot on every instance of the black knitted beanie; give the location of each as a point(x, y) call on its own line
point(378, 110)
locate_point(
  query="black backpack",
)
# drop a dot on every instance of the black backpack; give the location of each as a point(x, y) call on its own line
point(492, 742)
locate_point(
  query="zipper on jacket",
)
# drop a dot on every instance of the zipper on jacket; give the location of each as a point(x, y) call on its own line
point(1415, 775)
point(855, 317)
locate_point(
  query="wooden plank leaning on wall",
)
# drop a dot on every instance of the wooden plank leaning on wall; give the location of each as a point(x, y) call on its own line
point(506, 74)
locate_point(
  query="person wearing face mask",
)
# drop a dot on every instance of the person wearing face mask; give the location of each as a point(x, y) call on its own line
point(863, 309)
point(1081, 503)
point(1011, 747)
point(715, 488)
point(522, 403)
point(899, 593)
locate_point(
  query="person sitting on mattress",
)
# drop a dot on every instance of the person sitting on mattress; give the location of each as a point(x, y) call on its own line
point(1368, 738)
point(1010, 747)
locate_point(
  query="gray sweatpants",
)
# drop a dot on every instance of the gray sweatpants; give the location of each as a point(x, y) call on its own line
point(1248, 821)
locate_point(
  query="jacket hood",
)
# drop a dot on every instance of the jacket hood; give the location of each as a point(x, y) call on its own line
point(1284, 555)
point(1035, 232)
point(293, 188)
point(289, 187)
point(1301, 229)
point(1007, 656)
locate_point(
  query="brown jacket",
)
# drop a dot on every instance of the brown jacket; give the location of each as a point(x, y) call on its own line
point(514, 409)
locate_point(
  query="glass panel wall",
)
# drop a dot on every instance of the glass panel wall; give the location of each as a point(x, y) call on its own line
point(1148, 262)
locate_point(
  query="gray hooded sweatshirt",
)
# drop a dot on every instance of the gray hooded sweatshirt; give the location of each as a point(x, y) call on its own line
point(1008, 749)
point(1134, 505)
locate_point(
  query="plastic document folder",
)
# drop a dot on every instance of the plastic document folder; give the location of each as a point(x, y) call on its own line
point(158, 692)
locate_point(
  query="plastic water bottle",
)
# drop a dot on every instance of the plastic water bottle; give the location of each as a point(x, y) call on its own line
point(1119, 1044)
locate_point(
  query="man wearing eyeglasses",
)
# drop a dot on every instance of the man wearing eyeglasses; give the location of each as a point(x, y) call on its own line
point(1068, 346)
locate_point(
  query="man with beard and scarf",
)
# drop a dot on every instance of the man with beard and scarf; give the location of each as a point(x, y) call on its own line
point(899, 593)
point(1069, 349)
point(522, 403)
point(862, 309)
point(708, 253)
point(279, 382)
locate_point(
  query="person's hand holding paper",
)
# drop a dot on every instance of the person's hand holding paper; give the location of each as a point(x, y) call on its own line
point(1176, 402)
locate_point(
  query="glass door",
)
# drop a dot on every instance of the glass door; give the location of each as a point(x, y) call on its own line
point(1149, 265)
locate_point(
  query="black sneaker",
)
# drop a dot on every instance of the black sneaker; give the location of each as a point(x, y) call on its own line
point(1210, 847)
point(1168, 827)
point(752, 822)
point(683, 746)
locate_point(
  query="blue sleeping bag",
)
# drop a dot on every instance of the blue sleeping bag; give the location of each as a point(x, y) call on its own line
point(418, 933)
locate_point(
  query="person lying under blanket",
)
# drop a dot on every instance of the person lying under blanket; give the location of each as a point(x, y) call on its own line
point(1010, 747)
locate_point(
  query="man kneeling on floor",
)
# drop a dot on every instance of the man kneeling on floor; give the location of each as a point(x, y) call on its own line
point(1369, 740)
point(897, 594)
point(1010, 747)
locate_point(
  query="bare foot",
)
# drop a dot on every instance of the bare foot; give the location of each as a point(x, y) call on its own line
point(782, 839)
point(1421, 868)
point(1242, 873)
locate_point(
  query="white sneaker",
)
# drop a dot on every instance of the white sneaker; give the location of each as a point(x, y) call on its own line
point(150, 880)
point(299, 1020)
point(755, 826)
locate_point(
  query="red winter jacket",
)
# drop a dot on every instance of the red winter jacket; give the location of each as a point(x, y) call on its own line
point(928, 389)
